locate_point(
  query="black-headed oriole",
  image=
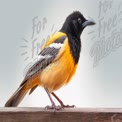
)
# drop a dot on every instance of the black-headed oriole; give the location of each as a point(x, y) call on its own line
point(57, 62)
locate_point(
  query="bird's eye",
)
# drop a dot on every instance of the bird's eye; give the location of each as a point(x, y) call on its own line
point(79, 20)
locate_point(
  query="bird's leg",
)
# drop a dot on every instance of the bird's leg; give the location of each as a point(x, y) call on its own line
point(53, 103)
point(61, 103)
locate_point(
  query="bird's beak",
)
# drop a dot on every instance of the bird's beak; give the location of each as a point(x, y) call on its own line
point(87, 23)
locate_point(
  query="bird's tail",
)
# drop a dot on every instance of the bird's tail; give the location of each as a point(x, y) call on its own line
point(17, 97)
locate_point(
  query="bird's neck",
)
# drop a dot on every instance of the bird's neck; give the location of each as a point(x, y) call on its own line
point(75, 47)
point(69, 28)
point(74, 41)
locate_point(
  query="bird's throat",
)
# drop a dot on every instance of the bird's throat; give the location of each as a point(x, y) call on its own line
point(75, 47)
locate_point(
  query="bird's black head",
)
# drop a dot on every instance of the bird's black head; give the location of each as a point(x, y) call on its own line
point(75, 24)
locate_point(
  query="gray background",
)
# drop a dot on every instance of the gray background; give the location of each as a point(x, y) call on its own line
point(98, 86)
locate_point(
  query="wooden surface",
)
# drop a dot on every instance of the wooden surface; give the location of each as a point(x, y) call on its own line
point(66, 115)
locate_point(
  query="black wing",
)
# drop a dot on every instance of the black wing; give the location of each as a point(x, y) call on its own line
point(46, 56)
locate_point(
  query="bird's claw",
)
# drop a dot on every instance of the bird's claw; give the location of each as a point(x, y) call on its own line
point(54, 107)
point(68, 106)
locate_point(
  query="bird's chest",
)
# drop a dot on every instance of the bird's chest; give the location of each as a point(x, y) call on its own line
point(59, 72)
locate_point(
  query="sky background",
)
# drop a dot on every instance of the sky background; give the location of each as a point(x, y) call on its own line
point(97, 83)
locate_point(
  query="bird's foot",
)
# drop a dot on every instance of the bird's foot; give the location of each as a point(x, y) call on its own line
point(59, 107)
point(54, 107)
point(68, 106)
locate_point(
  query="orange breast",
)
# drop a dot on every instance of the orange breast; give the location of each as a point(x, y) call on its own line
point(59, 72)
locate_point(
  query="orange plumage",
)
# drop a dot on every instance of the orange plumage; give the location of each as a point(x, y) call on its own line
point(57, 61)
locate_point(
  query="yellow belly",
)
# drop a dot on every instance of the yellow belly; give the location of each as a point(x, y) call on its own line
point(59, 72)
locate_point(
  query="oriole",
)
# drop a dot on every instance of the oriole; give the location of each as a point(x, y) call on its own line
point(57, 62)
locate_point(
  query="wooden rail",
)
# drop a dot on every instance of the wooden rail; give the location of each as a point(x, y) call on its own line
point(67, 115)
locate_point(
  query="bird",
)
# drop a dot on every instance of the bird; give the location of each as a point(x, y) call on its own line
point(57, 62)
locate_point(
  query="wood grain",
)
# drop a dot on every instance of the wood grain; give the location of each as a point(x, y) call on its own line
point(67, 115)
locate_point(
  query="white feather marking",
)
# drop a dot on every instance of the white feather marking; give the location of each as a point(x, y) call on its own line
point(56, 45)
